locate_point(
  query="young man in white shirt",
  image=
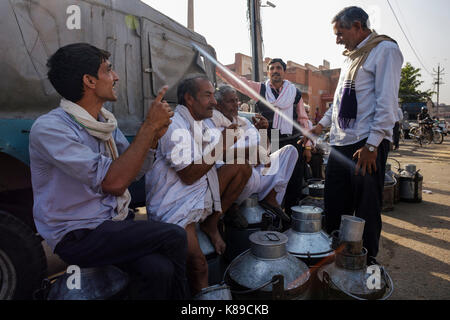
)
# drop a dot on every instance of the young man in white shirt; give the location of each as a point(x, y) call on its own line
point(362, 119)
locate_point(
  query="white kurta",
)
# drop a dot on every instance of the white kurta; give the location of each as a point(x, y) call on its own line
point(168, 198)
point(263, 179)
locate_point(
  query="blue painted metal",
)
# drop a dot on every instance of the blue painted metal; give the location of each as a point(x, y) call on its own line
point(14, 135)
point(14, 140)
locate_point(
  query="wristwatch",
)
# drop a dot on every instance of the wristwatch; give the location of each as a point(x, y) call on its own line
point(371, 148)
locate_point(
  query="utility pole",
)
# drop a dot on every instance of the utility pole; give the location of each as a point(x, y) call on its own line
point(191, 15)
point(438, 81)
point(255, 31)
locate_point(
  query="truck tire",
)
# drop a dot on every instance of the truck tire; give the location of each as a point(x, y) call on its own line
point(23, 264)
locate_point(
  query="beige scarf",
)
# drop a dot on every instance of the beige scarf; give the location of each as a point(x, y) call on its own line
point(102, 131)
point(348, 107)
point(359, 55)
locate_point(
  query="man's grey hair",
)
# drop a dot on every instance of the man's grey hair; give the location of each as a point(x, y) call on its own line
point(348, 16)
point(222, 91)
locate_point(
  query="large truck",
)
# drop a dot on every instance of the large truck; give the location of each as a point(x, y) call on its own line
point(148, 51)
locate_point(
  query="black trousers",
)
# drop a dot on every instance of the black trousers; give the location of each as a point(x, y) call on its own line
point(316, 165)
point(396, 135)
point(294, 187)
point(154, 253)
point(346, 193)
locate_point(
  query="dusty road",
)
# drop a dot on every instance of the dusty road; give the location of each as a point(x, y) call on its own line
point(415, 244)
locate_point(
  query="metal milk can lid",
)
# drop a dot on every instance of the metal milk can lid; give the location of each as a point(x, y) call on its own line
point(268, 244)
point(306, 213)
point(411, 168)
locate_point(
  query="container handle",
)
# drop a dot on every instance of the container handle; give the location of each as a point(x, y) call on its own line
point(327, 279)
point(274, 238)
point(389, 283)
point(387, 278)
point(272, 281)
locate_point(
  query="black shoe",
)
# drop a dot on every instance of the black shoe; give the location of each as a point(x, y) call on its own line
point(275, 210)
point(372, 261)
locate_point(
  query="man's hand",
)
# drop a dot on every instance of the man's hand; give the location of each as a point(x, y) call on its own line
point(315, 131)
point(228, 144)
point(366, 161)
point(260, 122)
point(307, 155)
point(159, 114)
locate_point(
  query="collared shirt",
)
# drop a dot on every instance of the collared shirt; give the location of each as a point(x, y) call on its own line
point(68, 166)
point(377, 85)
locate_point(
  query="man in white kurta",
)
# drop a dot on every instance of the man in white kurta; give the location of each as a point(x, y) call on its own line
point(270, 174)
point(185, 187)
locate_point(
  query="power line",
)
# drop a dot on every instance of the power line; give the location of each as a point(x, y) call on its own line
point(407, 39)
point(405, 25)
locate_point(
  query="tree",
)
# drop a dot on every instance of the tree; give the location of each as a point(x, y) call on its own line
point(409, 84)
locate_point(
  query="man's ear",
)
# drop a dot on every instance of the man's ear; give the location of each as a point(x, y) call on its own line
point(89, 81)
point(358, 25)
point(188, 98)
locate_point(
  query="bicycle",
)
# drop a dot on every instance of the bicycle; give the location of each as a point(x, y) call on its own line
point(422, 134)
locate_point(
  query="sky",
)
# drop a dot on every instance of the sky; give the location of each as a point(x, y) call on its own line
point(301, 30)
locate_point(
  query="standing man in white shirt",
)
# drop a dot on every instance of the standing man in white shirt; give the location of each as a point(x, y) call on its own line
point(362, 119)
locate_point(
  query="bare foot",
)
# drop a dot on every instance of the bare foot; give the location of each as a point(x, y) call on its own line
point(271, 199)
point(209, 226)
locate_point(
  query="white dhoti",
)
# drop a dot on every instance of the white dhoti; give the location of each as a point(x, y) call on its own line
point(263, 180)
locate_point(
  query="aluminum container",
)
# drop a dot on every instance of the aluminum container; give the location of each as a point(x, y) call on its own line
point(306, 239)
point(268, 268)
point(100, 283)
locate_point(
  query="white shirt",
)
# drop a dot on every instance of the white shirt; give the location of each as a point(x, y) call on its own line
point(168, 198)
point(377, 86)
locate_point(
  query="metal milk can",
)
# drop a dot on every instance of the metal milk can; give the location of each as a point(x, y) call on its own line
point(102, 283)
point(349, 277)
point(216, 265)
point(395, 176)
point(388, 191)
point(411, 184)
point(306, 239)
point(267, 270)
point(255, 218)
point(309, 243)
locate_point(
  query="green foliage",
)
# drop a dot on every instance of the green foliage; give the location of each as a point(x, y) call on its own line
point(409, 84)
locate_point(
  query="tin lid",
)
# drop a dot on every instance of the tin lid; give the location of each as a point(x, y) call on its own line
point(411, 168)
point(306, 213)
point(268, 244)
